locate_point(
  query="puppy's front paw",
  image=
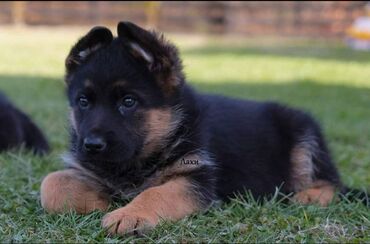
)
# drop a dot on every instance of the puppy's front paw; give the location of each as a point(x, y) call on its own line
point(123, 221)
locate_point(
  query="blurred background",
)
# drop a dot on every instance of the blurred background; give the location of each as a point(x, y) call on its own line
point(329, 19)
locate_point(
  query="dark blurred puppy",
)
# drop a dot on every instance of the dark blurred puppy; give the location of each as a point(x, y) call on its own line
point(16, 128)
point(138, 130)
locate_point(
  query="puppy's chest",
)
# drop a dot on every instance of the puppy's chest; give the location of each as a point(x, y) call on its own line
point(130, 185)
point(132, 182)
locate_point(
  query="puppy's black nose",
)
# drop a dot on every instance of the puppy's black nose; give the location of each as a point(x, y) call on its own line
point(94, 144)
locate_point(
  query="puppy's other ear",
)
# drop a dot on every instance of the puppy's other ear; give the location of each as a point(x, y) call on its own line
point(161, 57)
point(92, 41)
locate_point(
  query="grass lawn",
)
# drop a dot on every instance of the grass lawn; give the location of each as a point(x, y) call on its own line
point(326, 79)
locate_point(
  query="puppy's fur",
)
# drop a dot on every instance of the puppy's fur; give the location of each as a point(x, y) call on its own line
point(16, 128)
point(139, 131)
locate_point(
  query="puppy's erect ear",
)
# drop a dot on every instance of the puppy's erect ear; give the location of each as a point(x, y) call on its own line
point(161, 57)
point(92, 41)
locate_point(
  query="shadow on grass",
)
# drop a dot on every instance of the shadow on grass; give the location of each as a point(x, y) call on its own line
point(336, 53)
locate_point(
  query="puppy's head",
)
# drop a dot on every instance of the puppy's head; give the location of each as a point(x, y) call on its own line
point(123, 93)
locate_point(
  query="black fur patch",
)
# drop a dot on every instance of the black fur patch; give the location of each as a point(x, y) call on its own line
point(16, 128)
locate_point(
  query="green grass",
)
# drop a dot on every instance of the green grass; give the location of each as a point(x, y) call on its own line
point(330, 81)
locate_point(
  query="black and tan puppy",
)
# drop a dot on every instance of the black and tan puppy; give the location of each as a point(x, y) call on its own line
point(17, 129)
point(139, 131)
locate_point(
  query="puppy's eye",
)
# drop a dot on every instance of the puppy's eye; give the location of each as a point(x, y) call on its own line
point(83, 102)
point(127, 103)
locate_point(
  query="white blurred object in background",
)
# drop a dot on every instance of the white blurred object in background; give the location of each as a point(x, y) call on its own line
point(358, 35)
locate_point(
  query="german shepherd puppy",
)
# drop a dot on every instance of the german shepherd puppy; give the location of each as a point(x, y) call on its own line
point(139, 131)
point(16, 128)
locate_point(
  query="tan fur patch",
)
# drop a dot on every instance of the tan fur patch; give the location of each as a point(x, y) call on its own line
point(170, 201)
point(120, 83)
point(302, 168)
point(62, 191)
point(321, 192)
point(169, 83)
point(160, 123)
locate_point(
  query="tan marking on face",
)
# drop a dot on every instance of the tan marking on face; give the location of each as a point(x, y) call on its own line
point(171, 201)
point(302, 167)
point(119, 83)
point(168, 82)
point(321, 192)
point(160, 123)
point(62, 191)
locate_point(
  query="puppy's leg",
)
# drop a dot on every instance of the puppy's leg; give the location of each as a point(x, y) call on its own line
point(63, 190)
point(321, 192)
point(313, 176)
point(171, 201)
